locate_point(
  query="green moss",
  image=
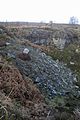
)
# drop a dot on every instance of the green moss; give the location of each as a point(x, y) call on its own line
point(68, 55)
point(56, 101)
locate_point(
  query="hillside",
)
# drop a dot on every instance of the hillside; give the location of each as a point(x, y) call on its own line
point(39, 71)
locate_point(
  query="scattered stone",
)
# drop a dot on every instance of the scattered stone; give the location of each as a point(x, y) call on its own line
point(26, 51)
point(77, 50)
point(52, 77)
point(7, 43)
point(72, 63)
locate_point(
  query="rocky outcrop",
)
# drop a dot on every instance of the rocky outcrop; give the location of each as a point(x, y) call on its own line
point(62, 38)
point(52, 78)
point(58, 37)
point(39, 36)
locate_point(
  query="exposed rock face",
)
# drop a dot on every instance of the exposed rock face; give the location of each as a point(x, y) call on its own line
point(40, 36)
point(59, 43)
point(61, 38)
point(59, 35)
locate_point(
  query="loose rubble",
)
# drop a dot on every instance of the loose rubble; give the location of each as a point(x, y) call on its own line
point(52, 78)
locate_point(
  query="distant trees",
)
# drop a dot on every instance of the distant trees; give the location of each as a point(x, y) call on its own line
point(73, 20)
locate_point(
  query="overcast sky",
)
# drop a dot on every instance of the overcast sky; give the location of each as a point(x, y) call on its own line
point(58, 11)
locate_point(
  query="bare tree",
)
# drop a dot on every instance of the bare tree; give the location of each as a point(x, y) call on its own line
point(73, 20)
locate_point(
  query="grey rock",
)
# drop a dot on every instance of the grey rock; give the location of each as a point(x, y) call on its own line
point(52, 77)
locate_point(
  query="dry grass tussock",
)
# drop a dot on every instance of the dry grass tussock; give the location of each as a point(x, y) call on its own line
point(13, 85)
point(19, 96)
